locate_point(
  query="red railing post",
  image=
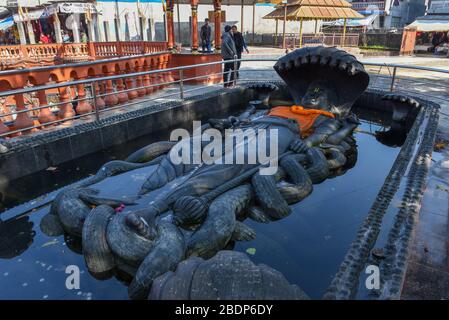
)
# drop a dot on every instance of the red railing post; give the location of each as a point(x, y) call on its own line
point(91, 50)
point(119, 49)
point(24, 51)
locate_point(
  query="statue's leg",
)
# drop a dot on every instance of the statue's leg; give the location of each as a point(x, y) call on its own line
point(151, 151)
point(114, 167)
point(165, 172)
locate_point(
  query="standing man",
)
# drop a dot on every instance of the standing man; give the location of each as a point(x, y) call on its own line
point(205, 36)
point(240, 44)
point(228, 52)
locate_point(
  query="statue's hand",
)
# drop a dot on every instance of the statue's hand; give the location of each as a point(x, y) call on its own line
point(298, 146)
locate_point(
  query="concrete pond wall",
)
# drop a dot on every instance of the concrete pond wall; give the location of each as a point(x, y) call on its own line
point(37, 152)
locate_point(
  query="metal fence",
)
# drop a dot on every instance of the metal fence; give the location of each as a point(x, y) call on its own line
point(430, 83)
point(328, 39)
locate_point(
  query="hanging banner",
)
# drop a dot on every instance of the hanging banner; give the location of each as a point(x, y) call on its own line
point(30, 15)
point(65, 8)
point(76, 7)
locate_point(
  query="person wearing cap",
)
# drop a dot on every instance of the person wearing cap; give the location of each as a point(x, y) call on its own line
point(228, 53)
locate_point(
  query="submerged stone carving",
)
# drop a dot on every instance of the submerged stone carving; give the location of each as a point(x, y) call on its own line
point(199, 209)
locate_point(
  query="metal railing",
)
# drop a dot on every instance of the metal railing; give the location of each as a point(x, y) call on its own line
point(383, 76)
point(310, 39)
point(47, 54)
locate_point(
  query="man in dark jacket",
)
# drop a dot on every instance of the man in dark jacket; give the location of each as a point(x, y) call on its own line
point(239, 45)
point(205, 33)
point(228, 52)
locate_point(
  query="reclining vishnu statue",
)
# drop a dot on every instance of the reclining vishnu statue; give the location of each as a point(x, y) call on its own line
point(194, 210)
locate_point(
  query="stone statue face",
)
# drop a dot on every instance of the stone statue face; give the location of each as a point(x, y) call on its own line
point(316, 97)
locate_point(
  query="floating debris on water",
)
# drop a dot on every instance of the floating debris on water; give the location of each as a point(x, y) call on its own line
point(251, 251)
point(50, 243)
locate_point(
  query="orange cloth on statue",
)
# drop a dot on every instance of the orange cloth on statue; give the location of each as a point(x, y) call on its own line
point(305, 117)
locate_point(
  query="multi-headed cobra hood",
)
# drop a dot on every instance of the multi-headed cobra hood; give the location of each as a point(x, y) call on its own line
point(334, 72)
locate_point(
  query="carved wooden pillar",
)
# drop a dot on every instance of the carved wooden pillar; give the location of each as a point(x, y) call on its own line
point(194, 6)
point(45, 114)
point(170, 24)
point(217, 22)
point(65, 108)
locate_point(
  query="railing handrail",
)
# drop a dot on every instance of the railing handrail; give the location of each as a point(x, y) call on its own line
point(157, 85)
point(23, 51)
point(142, 73)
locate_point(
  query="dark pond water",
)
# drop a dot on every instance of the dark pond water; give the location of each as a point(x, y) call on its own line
point(307, 247)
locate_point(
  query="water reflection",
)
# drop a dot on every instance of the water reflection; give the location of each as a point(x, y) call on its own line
point(394, 136)
point(16, 236)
